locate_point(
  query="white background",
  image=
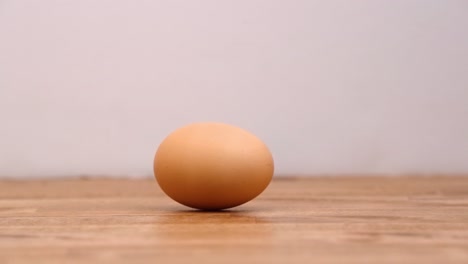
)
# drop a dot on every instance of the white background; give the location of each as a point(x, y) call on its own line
point(92, 87)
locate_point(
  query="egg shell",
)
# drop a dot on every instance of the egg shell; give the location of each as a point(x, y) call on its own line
point(213, 166)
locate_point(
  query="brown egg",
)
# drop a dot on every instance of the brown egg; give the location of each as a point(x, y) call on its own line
point(212, 166)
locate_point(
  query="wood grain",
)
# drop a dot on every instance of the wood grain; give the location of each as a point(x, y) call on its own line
point(296, 220)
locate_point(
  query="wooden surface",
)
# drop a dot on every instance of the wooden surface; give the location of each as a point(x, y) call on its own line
point(317, 220)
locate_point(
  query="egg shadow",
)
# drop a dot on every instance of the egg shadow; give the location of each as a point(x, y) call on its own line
point(186, 225)
point(225, 216)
